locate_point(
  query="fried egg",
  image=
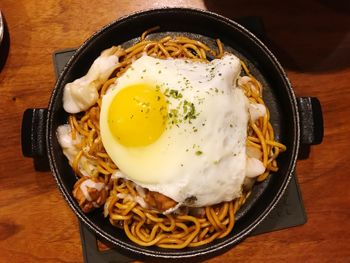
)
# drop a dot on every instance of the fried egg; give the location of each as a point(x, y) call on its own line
point(179, 127)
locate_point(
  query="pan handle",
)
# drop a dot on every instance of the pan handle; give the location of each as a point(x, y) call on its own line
point(33, 132)
point(311, 120)
point(33, 137)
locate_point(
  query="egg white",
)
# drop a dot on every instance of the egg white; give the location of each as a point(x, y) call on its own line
point(199, 163)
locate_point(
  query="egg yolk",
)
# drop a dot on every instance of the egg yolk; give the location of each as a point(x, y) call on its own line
point(137, 115)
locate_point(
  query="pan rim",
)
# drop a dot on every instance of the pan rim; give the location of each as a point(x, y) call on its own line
point(173, 253)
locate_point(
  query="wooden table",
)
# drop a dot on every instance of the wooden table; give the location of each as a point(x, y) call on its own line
point(312, 41)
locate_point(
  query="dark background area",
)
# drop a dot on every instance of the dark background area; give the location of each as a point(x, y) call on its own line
point(306, 36)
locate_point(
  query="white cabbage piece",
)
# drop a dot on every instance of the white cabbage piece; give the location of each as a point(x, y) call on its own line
point(253, 152)
point(244, 80)
point(70, 150)
point(82, 93)
point(256, 111)
point(254, 167)
point(67, 143)
point(91, 184)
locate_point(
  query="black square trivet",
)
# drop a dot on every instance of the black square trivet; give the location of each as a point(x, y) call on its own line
point(289, 211)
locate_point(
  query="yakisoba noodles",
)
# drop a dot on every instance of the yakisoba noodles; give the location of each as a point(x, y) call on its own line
point(121, 198)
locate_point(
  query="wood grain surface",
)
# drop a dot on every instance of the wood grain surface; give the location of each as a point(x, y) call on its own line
point(312, 41)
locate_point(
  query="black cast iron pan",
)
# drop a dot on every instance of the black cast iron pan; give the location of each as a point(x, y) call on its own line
point(296, 121)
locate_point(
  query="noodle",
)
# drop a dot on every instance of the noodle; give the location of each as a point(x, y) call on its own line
point(148, 227)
